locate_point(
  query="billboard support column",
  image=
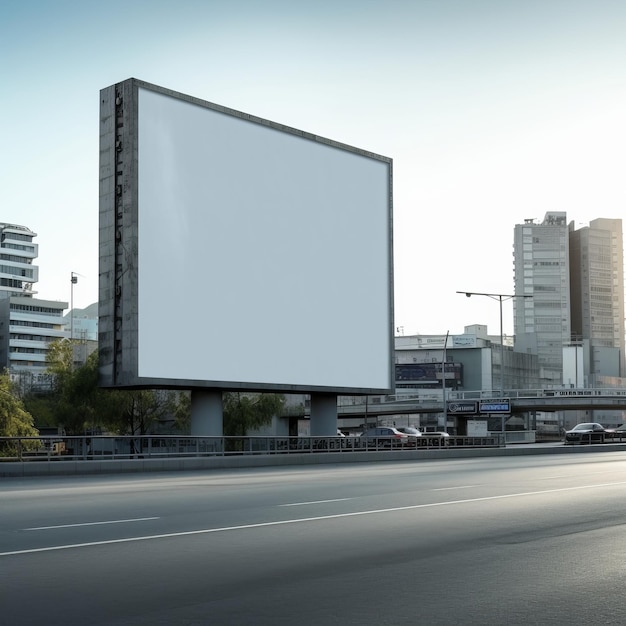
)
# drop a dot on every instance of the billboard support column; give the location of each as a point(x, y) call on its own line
point(207, 414)
point(323, 415)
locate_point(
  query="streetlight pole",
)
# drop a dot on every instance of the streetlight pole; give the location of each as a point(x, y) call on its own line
point(500, 297)
point(443, 383)
point(73, 281)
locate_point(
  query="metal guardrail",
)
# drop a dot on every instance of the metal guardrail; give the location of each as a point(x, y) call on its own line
point(431, 401)
point(435, 395)
point(83, 448)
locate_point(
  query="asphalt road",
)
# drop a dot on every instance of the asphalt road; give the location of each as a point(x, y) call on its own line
point(506, 540)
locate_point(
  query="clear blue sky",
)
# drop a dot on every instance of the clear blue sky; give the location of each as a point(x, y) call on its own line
point(493, 111)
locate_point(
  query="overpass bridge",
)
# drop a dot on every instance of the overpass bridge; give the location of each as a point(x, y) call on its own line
point(470, 403)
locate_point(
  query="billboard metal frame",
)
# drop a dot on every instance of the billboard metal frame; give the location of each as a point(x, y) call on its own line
point(119, 248)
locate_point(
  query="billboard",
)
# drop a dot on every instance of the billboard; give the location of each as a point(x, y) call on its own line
point(495, 406)
point(238, 253)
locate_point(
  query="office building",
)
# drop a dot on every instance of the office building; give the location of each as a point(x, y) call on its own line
point(27, 325)
point(597, 295)
point(17, 252)
point(574, 320)
point(83, 323)
point(542, 270)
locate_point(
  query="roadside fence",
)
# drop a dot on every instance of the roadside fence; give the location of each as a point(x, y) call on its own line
point(48, 448)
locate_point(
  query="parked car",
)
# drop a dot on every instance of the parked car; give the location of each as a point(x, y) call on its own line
point(387, 436)
point(414, 434)
point(440, 434)
point(588, 432)
point(439, 438)
point(409, 430)
point(426, 439)
point(618, 434)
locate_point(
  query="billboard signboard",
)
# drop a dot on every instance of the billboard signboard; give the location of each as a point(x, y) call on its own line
point(495, 406)
point(464, 407)
point(477, 428)
point(238, 253)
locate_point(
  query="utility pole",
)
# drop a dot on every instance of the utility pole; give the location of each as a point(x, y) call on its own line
point(73, 281)
point(500, 297)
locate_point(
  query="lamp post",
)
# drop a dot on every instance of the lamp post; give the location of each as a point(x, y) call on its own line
point(500, 297)
point(73, 281)
point(443, 383)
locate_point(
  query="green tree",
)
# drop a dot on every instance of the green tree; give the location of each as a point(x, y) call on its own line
point(182, 412)
point(141, 409)
point(59, 359)
point(76, 402)
point(81, 404)
point(248, 411)
point(41, 407)
point(15, 421)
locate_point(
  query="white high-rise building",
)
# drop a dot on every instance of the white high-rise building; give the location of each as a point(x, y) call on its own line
point(17, 252)
point(27, 325)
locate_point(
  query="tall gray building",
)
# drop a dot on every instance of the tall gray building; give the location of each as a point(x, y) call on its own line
point(542, 270)
point(597, 294)
point(576, 280)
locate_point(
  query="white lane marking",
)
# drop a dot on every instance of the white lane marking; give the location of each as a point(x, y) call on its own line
point(556, 477)
point(315, 502)
point(206, 531)
point(115, 521)
point(450, 488)
point(559, 476)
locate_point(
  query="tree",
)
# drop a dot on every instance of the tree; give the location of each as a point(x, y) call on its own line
point(182, 412)
point(15, 421)
point(77, 403)
point(143, 408)
point(60, 359)
point(248, 411)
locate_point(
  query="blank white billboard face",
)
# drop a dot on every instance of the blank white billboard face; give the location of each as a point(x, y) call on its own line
point(263, 257)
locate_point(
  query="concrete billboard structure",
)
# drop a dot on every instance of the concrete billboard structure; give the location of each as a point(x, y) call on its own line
point(237, 253)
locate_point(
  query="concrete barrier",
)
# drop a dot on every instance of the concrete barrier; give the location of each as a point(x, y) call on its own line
point(126, 466)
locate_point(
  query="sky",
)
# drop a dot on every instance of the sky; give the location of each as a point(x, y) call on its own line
point(493, 111)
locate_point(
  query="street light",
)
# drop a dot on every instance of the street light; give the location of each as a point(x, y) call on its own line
point(73, 281)
point(443, 382)
point(500, 297)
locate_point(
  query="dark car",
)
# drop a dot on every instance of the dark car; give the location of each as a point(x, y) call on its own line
point(617, 434)
point(588, 432)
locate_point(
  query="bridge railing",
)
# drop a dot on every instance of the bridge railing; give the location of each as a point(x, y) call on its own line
point(89, 448)
point(432, 397)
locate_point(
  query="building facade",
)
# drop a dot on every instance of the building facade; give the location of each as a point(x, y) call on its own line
point(574, 320)
point(18, 274)
point(27, 325)
point(542, 270)
point(597, 296)
point(83, 323)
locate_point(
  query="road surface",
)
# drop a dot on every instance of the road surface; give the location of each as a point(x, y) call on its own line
point(503, 540)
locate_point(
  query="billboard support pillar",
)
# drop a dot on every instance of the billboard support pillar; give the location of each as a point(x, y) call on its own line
point(323, 415)
point(207, 417)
